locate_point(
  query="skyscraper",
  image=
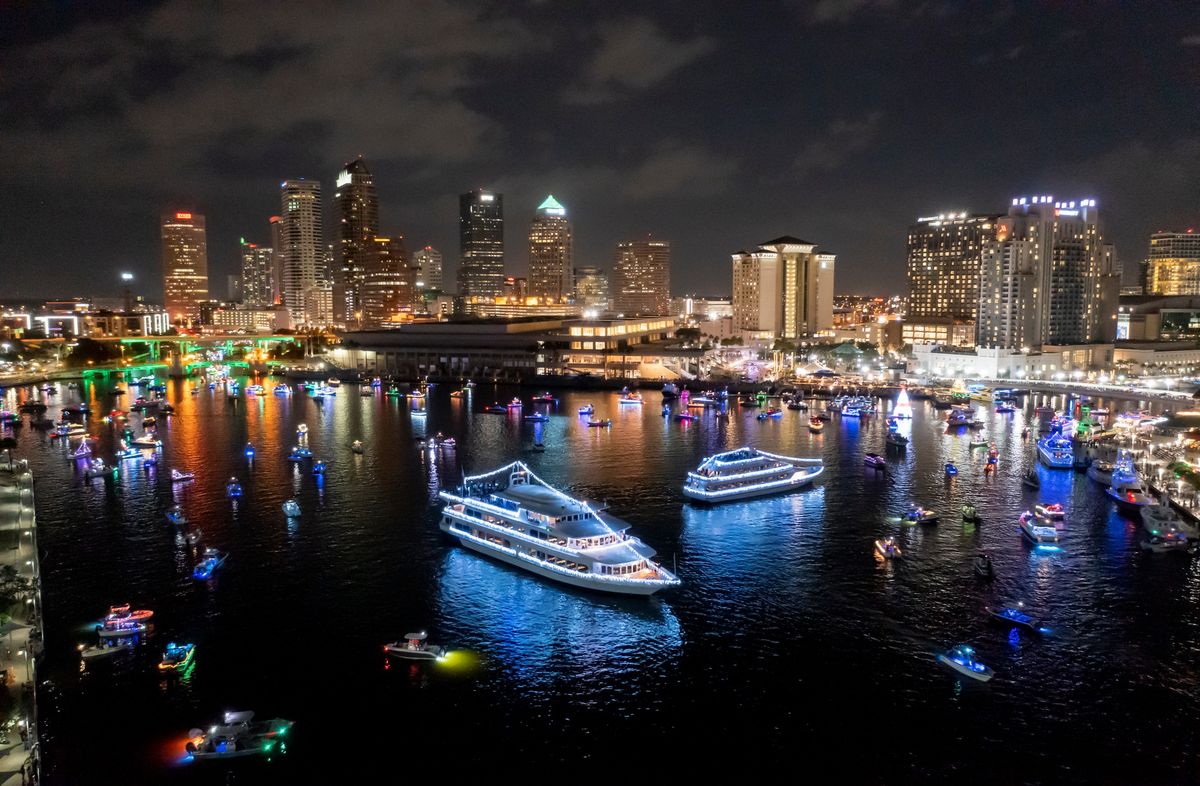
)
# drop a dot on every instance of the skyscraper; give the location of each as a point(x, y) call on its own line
point(428, 264)
point(302, 250)
point(591, 289)
point(357, 209)
point(185, 265)
point(389, 282)
point(784, 289)
point(550, 251)
point(481, 239)
point(258, 273)
point(641, 278)
point(1173, 264)
point(277, 269)
point(1047, 277)
point(943, 265)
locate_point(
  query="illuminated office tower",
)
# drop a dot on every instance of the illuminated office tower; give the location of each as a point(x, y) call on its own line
point(1173, 267)
point(389, 282)
point(481, 239)
point(357, 209)
point(943, 265)
point(185, 266)
point(428, 264)
point(302, 251)
point(258, 273)
point(641, 278)
point(783, 289)
point(591, 289)
point(550, 251)
point(277, 268)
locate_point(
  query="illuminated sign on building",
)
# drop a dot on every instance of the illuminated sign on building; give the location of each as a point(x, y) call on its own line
point(184, 216)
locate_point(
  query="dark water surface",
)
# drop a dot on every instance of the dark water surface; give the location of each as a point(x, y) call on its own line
point(788, 646)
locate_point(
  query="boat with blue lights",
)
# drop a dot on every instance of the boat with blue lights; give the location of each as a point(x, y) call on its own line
point(96, 468)
point(917, 514)
point(587, 409)
point(1126, 487)
point(887, 548)
point(233, 488)
point(208, 565)
point(515, 516)
point(875, 461)
point(960, 416)
point(537, 417)
point(177, 656)
point(748, 472)
point(962, 659)
point(238, 736)
point(630, 397)
point(769, 413)
point(291, 508)
point(1037, 530)
point(318, 467)
point(175, 515)
point(951, 470)
point(1014, 616)
point(299, 453)
point(545, 397)
point(1056, 451)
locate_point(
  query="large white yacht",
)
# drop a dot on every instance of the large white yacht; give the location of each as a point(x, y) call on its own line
point(748, 472)
point(515, 516)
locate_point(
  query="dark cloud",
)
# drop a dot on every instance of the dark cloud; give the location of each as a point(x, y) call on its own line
point(842, 139)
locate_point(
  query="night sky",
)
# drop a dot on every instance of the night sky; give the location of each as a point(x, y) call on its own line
point(713, 125)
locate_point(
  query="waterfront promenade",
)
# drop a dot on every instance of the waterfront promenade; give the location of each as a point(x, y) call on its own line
point(21, 640)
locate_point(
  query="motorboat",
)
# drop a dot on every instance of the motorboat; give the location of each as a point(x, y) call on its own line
point(919, 515)
point(357, 446)
point(122, 613)
point(105, 648)
point(496, 409)
point(127, 453)
point(1038, 531)
point(960, 416)
point(970, 513)
point(517, 518)
point(515, 403)
point(1014, 616)
point(233, 488)
point(238, 736)
point(333, 382)
point(630, 397)
point(175, 515)
point(537, 417)
point(887, 548)
point(146, 441)
point(249, 450)
point(961, 658)
point(1130, 497)
point(299, 453)
point(301, 430)
point(1167, 541)
point(769, 413)
point(749, 472)
point(281, 390)
point(318, 467)
point(291, 508)
point(595, 423)
point(982, 565)
point(544, 397)
point(207, 566)
point(96, 468)
point(1005, 408)
point(875, 461)
point(415, 647)
point(1056, 451)
point(896, 440)
point(816, 425)
point(687, 417)
point(1051, 510)
point(951, 470)
point(977, 443)
point(1161, 518)
point(670, 391)
point(1101, 472)
point(177, 657)
point(120, 630)
point(1031, 478)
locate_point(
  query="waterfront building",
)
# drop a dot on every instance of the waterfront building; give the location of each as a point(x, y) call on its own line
point(943, 265)
point(933, 330)
point(356, 208)
point(1173, 267)
point(257, 284)
point(318, 304)
point(591, 290)
point(783, 289)
point(1159, 318)
point(185, 265)
point(641, 278)
point(628, 348)
point(550, 251)
point(389, 282)
point(428, 265)
point(519, 307)
point(302, 252)
point(481, 242)
point(1047, 277)
point(1050, 362)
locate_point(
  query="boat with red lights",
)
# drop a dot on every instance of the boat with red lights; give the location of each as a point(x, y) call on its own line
point(238, 736)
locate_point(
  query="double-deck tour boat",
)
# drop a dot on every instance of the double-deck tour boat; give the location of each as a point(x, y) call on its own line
point(518, 518)
point(748, 472)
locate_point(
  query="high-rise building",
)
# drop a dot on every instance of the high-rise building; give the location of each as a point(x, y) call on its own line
point(277, 269)
point(185, 265)
point(550, 251)
point(591, 289)
point(641, 278)
point(389, 282)
point(258, 273)
point(943, 265)
point(1173, 267)
point(481, 240)
point(302, 251)
point(783, 289)
point(357, 209)
point(428, 263)
point(1047, 277)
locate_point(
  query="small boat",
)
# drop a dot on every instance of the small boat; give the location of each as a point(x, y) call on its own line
point(919, 515)
point(281, 390)
point(770, 412)
point(515, 403)
point(594, 423)
point(96, 468)
point(415, 647)
point(249, 451)
point(962, 659)
point(149, 420)
point(1031, 479)
point(1005, 408)
point(302, 429)
point(896, 440)
point(496, 409)
point(299, 453)
point(1013, 616)
point(537, 417)
point(291, 508)
point(1173, 540)
point(318, 467)
point(205, 568)
point(1160, 518)
point(458, 393)
point(233, 488)
point(1101, 472)
point(357, 446)
point(970, 514)
point(887, 548)
point(543, 398)
point(238, 736)
point(166, 409)
point(175, 515)
point(1053, 510)
point(686, 417)
point(951, 470)
point(114, 647)
point(1040, 534)
point(630, 397)
point(146, 441)
point(982, 565)
point(816, 425)
point(977, 443)
point(875, 461)
point(177, 656)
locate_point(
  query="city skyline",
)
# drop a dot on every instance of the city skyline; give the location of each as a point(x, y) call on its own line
point(634, 142)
